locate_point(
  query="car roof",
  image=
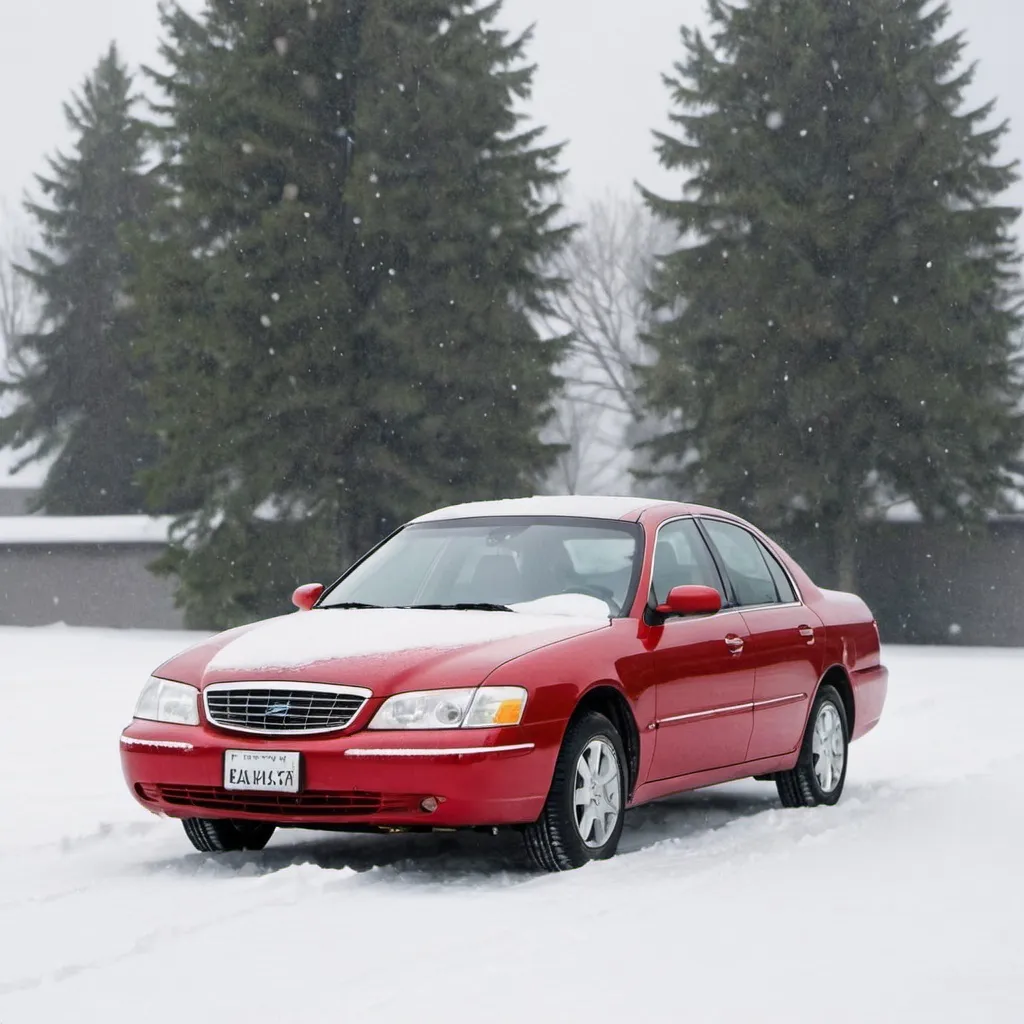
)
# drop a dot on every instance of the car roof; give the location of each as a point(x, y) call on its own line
point(579, 506)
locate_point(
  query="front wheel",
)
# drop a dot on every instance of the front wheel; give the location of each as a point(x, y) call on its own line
point(820, 773)
point(219, 835)
point(585, 810)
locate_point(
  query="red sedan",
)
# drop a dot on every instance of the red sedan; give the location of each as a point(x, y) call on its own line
point(539, 663)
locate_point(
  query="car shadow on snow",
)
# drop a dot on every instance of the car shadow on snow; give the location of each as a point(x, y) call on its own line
point(460, 858)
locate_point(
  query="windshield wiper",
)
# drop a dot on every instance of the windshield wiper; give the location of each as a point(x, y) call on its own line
point(352, 604)
point(482, 607)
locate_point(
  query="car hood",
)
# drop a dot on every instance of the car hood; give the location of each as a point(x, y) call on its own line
point(387, 650)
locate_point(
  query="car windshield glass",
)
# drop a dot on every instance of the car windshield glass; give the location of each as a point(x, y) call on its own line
point(509, 562)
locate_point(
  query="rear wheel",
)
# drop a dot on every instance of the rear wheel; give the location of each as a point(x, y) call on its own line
point(584, 813)
point(820, 773)
point(220, 835)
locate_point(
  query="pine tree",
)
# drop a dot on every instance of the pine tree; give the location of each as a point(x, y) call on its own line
point(838, 333)
point(79, 392)
point(340, 298)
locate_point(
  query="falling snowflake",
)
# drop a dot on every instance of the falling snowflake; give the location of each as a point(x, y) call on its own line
point(775, 120)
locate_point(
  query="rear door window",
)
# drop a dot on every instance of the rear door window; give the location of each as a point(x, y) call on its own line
point(787, 595)
point(743, 557)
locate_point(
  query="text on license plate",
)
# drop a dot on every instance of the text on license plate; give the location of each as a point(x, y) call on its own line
point(273, 770)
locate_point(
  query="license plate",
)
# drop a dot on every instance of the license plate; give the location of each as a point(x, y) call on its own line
point(273, 771)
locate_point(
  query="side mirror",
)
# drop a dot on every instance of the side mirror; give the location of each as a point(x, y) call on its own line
point(690, 601)
point(307, 595)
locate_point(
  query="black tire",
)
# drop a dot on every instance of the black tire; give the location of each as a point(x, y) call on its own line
point(800, 786)
point(553, 841)
point(220, 835)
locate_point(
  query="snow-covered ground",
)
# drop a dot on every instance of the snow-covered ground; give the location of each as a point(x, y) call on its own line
point(905, 903)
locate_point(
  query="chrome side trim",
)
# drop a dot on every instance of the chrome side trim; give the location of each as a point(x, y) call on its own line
point(432, 751)
point(732, 611)
point(729, 709)
point(710, 713)
point(778, 701)
point(129, 741)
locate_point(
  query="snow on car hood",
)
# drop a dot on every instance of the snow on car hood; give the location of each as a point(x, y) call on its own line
point(351, 643)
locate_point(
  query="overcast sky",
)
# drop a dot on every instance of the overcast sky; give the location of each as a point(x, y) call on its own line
point(598, 83)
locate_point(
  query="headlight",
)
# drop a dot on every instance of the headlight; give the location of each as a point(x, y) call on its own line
point(164, 701)
point(480, 708)
point(496, 705)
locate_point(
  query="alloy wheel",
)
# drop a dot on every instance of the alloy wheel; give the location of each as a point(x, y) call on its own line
point(828, 749)
point(598, 793)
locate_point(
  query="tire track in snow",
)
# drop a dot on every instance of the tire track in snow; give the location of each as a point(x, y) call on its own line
point(725, 847)
point(151, 940)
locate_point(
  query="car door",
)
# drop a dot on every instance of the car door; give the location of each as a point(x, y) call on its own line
point(786, 639)
point(704, 679)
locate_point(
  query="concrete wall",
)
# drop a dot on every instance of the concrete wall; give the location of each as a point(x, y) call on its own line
point(85, 585)
point(937, 585)
point(932, 586)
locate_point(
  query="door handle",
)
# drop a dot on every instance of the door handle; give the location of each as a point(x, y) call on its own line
point(807, 633)
point(735, 644)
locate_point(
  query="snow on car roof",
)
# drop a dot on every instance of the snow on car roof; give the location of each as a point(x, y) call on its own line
point(579, 505)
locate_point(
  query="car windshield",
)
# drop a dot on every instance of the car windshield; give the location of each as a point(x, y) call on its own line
point(505, 563)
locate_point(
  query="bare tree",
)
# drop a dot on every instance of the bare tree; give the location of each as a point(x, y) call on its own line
point(17, 301)
point(582, 428)
point(601, 415)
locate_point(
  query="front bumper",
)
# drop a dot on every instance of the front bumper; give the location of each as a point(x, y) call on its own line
point(478, 777)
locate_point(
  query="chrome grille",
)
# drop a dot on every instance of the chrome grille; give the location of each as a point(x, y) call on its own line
point(278, 709)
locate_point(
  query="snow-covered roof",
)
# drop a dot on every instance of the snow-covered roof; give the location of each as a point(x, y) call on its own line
point(577, 505)
point(85, 529)
point(30, 477)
